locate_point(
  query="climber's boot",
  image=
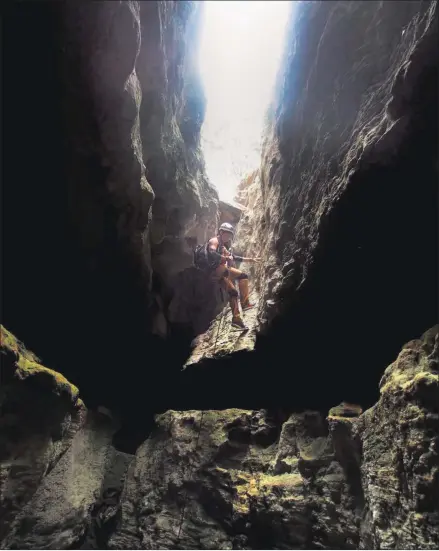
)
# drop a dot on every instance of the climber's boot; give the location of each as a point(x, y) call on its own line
point(237, 323)
point(244, 295)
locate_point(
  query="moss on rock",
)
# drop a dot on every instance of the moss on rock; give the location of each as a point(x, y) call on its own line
point(345, 410)
point(26, 365)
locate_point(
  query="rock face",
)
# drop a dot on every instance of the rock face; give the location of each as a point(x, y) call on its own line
point(171, 115)
point(237, 479)
point(243, 483)
point(185, 208)
point(325, 129)
point(230, 212)
point(54, 455)
point(106, 198)
point(222, 479)
point(400, 440)
point(102, 221)
point(251, 236)
point(346, 188)
point(222, 340)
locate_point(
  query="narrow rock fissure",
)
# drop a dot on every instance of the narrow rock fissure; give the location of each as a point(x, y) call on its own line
point(145, 420)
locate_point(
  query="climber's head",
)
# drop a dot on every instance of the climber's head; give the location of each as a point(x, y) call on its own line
point(226, 232)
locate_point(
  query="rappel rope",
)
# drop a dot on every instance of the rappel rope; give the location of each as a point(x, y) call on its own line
point(223, 316)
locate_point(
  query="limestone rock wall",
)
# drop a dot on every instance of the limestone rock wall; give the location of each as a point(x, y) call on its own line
point(106, 194)
point(185, 208)
point(347, 100)
point(102, 220)
point(221, 479)
point(237, 479)
point(171, 115)
point(345, 197)
point(55, 455)
point(251, 236)
point(400, 458)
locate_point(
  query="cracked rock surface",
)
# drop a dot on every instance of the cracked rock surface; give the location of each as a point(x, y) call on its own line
point(257, 479)
point(55, 456)
point(238, 445)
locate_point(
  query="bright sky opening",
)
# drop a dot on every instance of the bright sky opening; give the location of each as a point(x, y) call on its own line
point(240, 51)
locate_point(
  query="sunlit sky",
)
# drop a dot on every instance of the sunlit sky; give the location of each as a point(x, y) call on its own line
point(241, 46)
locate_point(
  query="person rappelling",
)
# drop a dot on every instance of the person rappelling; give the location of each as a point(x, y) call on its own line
point(217, 259)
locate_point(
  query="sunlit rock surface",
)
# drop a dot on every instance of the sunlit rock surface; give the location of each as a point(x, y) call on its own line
point(253, 479)
point(230, 212)
point(352, 93)
point(345, 197)
point(185, 209)
point(221, 339)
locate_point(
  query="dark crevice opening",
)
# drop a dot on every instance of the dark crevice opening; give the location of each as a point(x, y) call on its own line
point(373, 285)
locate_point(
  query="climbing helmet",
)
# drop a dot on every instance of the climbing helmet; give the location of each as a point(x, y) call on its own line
point(227, 227)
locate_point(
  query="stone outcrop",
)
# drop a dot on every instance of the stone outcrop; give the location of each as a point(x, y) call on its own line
point(222, 479)
point(103, 220)
point(222, 340)
point(400, 457)
point(237, 479)
point(325, 129)
point(234, 479)
point(347, 186)
point(230, 212)
point(56, 458)
point(171, 115)
point(185, 208)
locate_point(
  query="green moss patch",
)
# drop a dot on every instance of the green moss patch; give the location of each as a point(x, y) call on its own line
point(27, 366)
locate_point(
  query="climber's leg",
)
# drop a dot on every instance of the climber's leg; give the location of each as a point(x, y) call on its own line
point(233, 296)
point(233, 301)
point(220, 272)
point(244, 292)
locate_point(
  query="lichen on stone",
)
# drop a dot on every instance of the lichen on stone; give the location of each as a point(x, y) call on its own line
point(9, 341)
point(345, 410)
point(26, 365)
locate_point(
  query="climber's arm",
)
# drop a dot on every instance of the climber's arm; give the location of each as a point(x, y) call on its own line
point(245, 258)
point(212, 248)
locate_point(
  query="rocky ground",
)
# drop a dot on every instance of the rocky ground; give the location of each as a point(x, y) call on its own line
point(231, 479)
point(222, 339)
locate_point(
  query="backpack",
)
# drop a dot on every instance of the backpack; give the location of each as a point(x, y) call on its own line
point(201, 259)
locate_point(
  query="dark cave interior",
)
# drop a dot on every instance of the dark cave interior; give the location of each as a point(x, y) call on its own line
point(372, 287)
